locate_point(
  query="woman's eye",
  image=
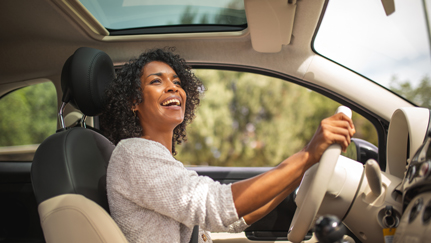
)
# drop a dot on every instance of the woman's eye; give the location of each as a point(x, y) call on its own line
point(155, 81)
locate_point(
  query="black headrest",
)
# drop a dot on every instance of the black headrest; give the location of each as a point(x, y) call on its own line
point(85, 76)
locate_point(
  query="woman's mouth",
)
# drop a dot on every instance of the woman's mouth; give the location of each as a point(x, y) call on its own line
point(171, 102)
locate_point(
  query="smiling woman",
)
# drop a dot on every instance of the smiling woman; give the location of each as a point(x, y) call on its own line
point(164, 103)
point(127, 94)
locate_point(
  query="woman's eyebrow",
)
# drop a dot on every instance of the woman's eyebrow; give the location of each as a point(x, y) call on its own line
point(157, 74)
point(160, 74)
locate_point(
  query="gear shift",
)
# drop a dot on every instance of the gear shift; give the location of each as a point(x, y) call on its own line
point(329, 229)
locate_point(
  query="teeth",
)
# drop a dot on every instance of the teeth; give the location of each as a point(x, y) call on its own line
point(176, 101)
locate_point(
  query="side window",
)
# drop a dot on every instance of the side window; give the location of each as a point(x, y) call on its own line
point(27, 117)
point(247, 119)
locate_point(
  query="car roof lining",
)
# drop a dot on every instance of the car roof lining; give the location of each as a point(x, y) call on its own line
point(56, 35)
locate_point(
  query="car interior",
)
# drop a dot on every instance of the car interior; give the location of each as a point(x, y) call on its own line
point(53, 188)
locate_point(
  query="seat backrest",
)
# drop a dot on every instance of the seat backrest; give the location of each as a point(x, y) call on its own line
point(69, 168)
point(72, 161)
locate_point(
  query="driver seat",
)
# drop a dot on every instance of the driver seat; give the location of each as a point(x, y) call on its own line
point(69, 168)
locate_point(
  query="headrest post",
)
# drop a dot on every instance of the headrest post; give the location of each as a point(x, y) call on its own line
point(60, 115)
point(83, 121)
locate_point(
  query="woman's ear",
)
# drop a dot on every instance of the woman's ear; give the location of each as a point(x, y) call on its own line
point(134, 109)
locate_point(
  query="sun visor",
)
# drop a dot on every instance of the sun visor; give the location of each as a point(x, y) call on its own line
point(270, 23)
point(408, 126)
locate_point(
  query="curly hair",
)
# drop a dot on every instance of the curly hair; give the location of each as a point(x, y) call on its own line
point(118, 121)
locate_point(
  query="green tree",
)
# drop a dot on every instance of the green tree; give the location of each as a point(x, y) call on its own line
point(421, 95)
point(232, 14)
point(28, 115)
point(188, 15)
point(247, 119)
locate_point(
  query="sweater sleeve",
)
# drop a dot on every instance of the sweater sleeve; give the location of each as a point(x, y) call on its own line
point(149, 176)
point(237, 227)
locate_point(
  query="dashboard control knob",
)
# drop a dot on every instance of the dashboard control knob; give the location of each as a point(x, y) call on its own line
point(374, 177)
point(329, 229)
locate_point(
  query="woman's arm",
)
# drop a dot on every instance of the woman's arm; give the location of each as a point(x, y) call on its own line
point(267, 208)
point(257, 196)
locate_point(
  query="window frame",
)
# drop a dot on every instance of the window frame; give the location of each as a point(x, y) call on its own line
point(25, 149)
point(381, 125)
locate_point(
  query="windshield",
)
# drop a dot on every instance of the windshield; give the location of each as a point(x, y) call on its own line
point(120, 15)
point(393, 50)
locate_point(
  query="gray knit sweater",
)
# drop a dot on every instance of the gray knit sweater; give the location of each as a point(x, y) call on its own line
point(153, 198)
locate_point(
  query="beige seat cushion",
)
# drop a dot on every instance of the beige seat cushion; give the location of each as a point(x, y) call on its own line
point(74, 218)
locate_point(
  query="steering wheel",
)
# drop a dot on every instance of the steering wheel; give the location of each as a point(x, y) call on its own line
point(313, 188)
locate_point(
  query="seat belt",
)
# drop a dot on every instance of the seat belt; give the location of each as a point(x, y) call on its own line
point(195, 235)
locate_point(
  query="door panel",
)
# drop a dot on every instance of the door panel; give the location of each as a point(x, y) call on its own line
point(19, 219)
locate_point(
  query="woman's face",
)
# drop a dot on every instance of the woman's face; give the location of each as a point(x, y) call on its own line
point(164, 100)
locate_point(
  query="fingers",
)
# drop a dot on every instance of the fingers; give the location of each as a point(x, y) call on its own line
point(341, 120)
point(343, 117)
point(338, 129)
point(342, 141)
point(335, 134)
point(351, 125)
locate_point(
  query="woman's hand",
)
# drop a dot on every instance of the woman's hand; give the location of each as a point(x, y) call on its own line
point(338, 128)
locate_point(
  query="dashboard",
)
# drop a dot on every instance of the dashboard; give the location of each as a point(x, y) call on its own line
point(394, 203)
point(415, 224)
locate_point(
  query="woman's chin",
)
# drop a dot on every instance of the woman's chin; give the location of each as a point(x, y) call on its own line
point(176, 120)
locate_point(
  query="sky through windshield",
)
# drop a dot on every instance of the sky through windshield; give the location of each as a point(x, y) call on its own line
point(358, 35)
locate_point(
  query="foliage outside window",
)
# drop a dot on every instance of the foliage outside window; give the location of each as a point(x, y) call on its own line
point(247, 119)
point(28, 116)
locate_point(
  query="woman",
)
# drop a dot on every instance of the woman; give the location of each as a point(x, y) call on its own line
point(152, 197)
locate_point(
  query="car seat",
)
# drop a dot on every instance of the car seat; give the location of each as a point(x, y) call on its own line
point(69, 168)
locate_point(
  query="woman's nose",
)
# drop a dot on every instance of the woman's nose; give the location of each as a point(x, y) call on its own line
point(171, 87)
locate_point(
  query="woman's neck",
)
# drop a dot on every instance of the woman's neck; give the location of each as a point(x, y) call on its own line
point(164, 138)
